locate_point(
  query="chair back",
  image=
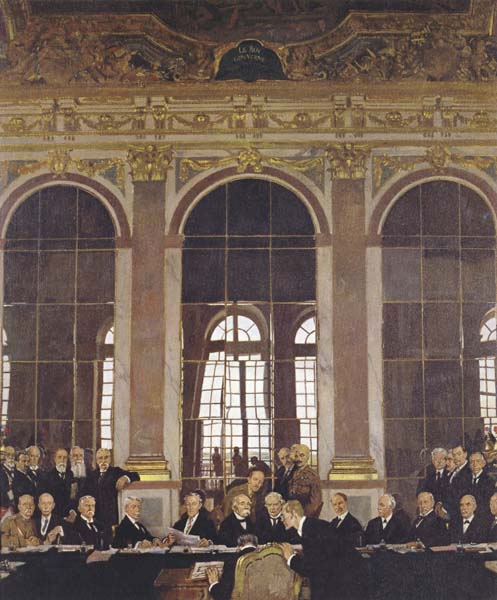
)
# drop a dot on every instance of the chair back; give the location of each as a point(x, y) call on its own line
point(264, 574)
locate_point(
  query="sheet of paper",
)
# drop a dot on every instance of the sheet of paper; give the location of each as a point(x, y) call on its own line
point(199, 570)
point(182, 539)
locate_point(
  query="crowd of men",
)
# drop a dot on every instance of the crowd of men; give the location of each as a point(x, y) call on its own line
point(70, 504)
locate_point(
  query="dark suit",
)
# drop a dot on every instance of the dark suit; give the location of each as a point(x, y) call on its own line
point(482, 490)
point(324, 553)
point(223, 589)
point(459, 486)
point(394, 533)
point(230, 530)
point(269, 531)
point(128, 533)
point(349, 529)
point(59, 487)
point(86, 534)
point(55, 521)
point(21, 485)
point(436, 486)
point(36, 478)
point(431, 530)
point(203, 527)
point(103, 489)
point(492, 531)
point(476, 533)
point(6, 481)
point(282, 479)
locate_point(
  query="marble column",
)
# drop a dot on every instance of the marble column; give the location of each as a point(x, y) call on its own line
point(146, 445)
point(352, 459)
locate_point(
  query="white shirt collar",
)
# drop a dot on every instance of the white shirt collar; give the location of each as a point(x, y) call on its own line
point(478, 474)
point(193, 519)
point(426, 514)
point(240, 518)
point(343, 515)
point(131, 519)
point(301, 524)
point(468, 518)
point(387, 519)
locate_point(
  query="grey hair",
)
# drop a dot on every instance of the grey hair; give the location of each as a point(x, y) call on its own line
point(85, 498)
point(438, 451)
point(247, 539)
point(391, 500)
point(275, 496)
point(130, 499)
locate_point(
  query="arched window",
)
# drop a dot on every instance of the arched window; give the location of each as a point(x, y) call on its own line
point(234, 400)
point(106, 383)
point(248, 274)
point(438, 281)
point(486, 363)
point(58, 293)
point(305, 385)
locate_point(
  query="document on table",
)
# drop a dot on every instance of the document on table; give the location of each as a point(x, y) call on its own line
point(42, 548)
point(182, 539)
point(199, 570)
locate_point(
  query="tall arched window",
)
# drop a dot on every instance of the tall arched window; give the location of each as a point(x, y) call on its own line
point(105, 375)
point(486, 363)
point(438, 282)
point(305, 385)
point(5, 385)
point(58, 292)
point(248, 275)
point(235, 401)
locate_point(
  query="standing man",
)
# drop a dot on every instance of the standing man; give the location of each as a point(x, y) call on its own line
point(34, 472)
point(7, 470)
point(253, 489)
point(58, 481)
point(284, 472)
point(482, 486)
point(238, 522)
point(20, 530)
point(103, 484)
point(459, 481)
point(305, 485)
point(386, 526)
point(21, 483)
point(437, 476)
point(78, 468)
point(345, 524)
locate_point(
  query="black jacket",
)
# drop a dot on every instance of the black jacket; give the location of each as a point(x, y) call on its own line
point(128, 533)
point(267, 532)
point(282, 478)
point(437, 487)
point(223, 589)
point(59, 487)
point(230, 530)
point(482, 490)
point(21, 485)
point(394, 533)
point(349, 529)
point(103, 489)
point(55, 520)
point(476, 533)
point(85, 534)
point(492, 531)
point(203, 527)
point(6, 481)
point(431, 530)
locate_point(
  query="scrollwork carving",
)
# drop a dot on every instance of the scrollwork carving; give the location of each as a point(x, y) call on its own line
point(149, 162)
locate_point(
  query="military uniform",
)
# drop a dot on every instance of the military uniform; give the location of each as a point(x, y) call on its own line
point(16, 531)
point(305, 487)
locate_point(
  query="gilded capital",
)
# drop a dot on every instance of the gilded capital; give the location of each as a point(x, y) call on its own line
point(348, 161)
point(150, 162)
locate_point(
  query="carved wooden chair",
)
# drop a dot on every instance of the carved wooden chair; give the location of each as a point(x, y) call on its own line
point(264, 574)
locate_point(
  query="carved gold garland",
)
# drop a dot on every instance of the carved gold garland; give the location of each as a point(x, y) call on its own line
point(251, 160)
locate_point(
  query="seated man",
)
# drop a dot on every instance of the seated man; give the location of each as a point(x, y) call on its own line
point(269, 526)
point(492, 533)
point(386, 526)
point(19, 530)
point(238, 522)
point(130, 531)
point(49, 526)
point(345, 524)
point(428, 527)
point(85, 528)
point(196, 520)
point(468, 528)
point(221, 589)
point(253, 489)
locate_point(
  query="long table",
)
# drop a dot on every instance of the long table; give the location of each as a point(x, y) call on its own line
point(384, 575)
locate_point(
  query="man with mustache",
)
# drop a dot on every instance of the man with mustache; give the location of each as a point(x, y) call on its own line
point(238, 522)
point(305, 485)
point(19, 530)
point(58, 481)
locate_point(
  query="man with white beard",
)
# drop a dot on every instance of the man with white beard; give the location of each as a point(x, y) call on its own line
point(58, 482)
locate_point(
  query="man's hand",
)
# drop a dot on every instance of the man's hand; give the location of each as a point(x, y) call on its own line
point(168, 541)
point(287, 550)
point(33, 541)
point(145, 545)
point(203, 543)
point(51, 536)
point(212, 575)
point(440, 511)
point(71, 517)
point(121, 483)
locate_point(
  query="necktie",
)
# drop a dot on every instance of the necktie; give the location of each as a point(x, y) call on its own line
point(475, 480)
point(339, 521)
point(188, 527)
point(438, 475)
point(44, 527)
point(420, 520)
point(274, 522)
point(494, 523)
point(465, 526)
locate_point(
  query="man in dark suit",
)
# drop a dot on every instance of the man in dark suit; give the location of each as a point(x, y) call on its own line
point(237, 523)
point(459, 481)
point(386, 526)
point(50, 527)
point(437, 476)
point(284, 472)
point(130, 531)
point(323, 552)
point(468, 528)
point(196, 519)
point(269, 526)
point(7, 470)
point(482, 485)
point(492, 531)
point(103, 484)
point(57, 482)
point(21, 483)
point(35, 472)
point(86, 528)
point(79, 472)
point(428, 527)
point(345, 524)
point(221, 588)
